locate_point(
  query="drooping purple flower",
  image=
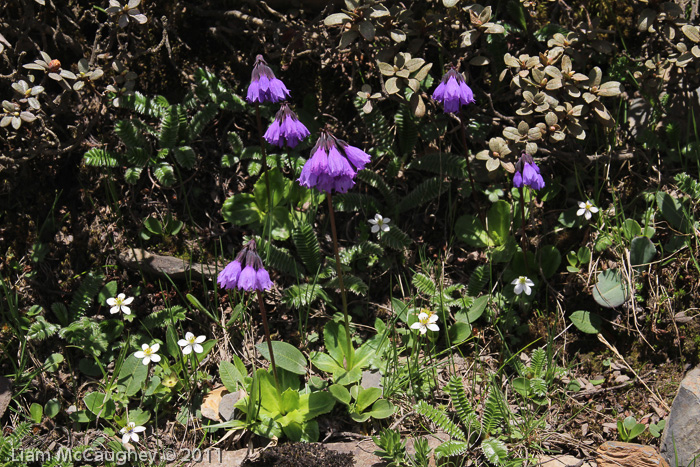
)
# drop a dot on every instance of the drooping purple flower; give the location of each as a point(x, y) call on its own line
point(527, 173)
point(453, 92)
point(246, 272)
point(286, 128)
point(333, 165)
point(264, 87)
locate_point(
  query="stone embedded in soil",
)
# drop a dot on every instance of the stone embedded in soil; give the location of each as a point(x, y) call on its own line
point(162, 265)
point(226, 406)
point(681, 436)
point(619, 454)
point(5, 394)
point(561, 461)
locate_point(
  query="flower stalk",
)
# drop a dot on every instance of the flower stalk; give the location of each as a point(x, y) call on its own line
point(339, 272)
point(263, 313)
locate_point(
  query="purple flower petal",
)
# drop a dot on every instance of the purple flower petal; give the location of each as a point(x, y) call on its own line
point(247, 279)
point(466, 94)
point(254, 92)
point(293, 131)
point(318, 163)
point(356, 156)
point(229, 276)
point(273, 134)
point(439, 93)
point(517, 180)
point(262, 280)
point(278, 91)
point(338, 165)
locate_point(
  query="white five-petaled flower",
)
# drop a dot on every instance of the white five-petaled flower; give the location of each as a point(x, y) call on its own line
point(190, 343)
point(523, 284)
point(148, 354)
point(120, 304)
point(380, 223)
point(129, 432)
point(426, 321)
point(586, 209)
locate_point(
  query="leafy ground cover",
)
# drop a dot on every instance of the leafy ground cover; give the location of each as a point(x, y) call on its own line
point(471, 219)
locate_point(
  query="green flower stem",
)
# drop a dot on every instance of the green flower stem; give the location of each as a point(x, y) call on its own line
point(339, 272)
point(263, 313)
point(267, 182)
point(466, 156)
point(523, 238)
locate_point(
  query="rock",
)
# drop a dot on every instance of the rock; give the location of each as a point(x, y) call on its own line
point(217, 458)
point(5, 394)
point(211, 402)
point(371, 379)
point(561, 461)
point(362, 451)
point(226, 407)
point(681, 436)
point(166, 266)
point(619, 454)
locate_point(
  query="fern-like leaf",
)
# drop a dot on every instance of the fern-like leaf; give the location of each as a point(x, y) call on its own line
point(82, 298)
point(185, 156)
point(460, 401)
point(201, 119)
point(494, 413)
point(138, 157)
point(164, 173)
point(442, 163)
point(147, 106)
point(406, 130)
point(298, 296)
point(479, 278)
point(396, 238)
point(440, 418)
point(377, 125)
point(130, 135)
point(169, 127)
point(279, 259)
point(451, 448)
point(351, 283)
point(495, 450)
point(374, 179)
point(359, 251)
point(426, 191)
point(164, 317)
point(41, 329)
point(100, 158)
point(424, 284)
point(354, 202)
point(308, 247)
point(538, 362)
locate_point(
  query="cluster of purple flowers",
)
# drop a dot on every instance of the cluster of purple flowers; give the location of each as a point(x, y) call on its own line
point(527, 173)
point(264, 87)
point(333, 165)
point(286, 129)
point(453, 92)
point(246, 272)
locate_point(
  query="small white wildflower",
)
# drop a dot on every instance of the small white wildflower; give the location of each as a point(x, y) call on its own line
point(523, 284)
point(426, 322)
point(129, 432)
point(380, 223)
point(586, 210)
point(190, 343)
point(120, 304)
point(148, 354)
